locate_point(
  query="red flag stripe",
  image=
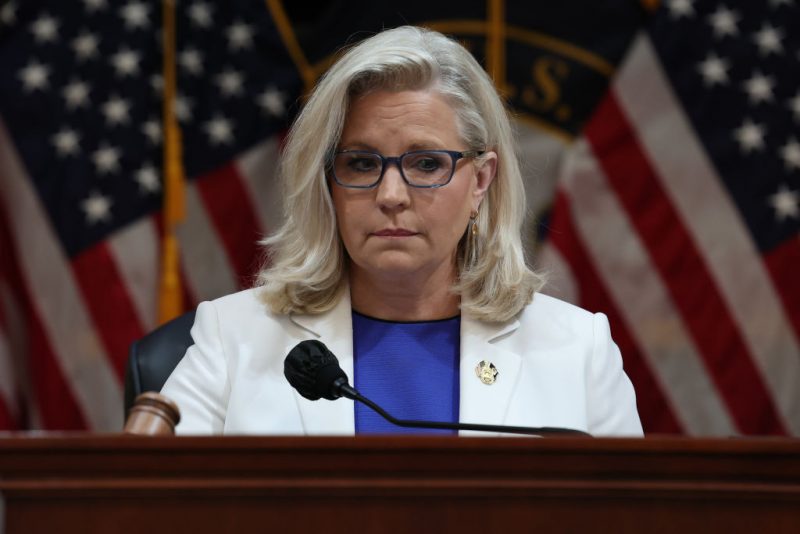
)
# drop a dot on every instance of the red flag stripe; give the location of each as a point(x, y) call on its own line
point(709, 214)
point(9, 407)
point(190, 301)
point(677, 258)
point(621, 261)
point(7, 421)
point(55, 403)
point(7, 372)
point(783, 265)
point(654, 409)
point(13, 345)
point(231, 210)
point(108, 302)
point(57, 310)
point(135, 250)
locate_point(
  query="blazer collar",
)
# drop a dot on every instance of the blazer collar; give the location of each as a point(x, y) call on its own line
point(334, 328)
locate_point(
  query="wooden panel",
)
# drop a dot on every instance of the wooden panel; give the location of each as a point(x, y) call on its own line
point(399, 484)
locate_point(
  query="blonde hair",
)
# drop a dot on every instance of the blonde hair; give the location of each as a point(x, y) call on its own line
point(308, 269)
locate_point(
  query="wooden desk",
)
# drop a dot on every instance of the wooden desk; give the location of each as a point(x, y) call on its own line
point(329, 485)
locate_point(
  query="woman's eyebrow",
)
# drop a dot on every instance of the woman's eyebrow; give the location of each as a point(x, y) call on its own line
point(416, 145)
point(357, 145)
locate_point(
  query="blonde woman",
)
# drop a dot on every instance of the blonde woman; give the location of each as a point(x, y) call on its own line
point(401, 251)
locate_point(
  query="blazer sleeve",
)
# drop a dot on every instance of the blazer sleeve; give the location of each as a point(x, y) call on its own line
point(200, 384)
point(612, 400)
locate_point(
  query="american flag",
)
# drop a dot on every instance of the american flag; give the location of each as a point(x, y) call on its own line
point(676, 211)
point(81, 185)
point(80, 158)
point(678, 214)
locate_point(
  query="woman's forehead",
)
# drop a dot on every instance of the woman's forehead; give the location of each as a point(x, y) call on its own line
point(415, 119)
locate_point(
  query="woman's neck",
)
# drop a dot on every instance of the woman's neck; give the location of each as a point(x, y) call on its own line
point(410, 298)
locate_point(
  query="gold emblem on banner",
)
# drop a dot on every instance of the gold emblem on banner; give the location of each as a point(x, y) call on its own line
point(486, 372)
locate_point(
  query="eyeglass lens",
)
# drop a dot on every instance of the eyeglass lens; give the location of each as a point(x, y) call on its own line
point(419, 168)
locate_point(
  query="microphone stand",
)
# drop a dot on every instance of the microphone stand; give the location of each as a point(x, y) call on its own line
point(341, 386)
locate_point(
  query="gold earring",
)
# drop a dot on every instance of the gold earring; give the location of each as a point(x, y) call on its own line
point(473, 222)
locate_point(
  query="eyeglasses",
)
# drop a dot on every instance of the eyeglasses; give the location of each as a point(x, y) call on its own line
point(362, 169)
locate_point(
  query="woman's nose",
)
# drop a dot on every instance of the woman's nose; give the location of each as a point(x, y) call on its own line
point(392, 190)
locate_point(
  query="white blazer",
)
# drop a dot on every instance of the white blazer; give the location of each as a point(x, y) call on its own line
point(557, 366)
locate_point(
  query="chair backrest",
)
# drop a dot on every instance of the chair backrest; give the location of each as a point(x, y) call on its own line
point(152, 358)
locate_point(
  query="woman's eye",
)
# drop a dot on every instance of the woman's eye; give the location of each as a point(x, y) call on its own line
point(427, 164)
point(362, 164)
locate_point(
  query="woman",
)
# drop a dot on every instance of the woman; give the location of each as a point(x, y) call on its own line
point(401, 252)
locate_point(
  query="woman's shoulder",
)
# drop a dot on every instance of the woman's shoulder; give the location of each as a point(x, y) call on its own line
point(241, 308)
point(239, 320)
point(245, 300)
point(553, 318)
point(546, 308)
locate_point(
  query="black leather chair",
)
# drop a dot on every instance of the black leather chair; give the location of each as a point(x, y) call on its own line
point(152, 358)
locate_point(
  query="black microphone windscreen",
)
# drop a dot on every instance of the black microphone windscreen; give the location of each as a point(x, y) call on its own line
point(312, 369)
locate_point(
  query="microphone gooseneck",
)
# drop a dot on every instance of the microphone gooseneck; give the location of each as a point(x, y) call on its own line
point(314, 372)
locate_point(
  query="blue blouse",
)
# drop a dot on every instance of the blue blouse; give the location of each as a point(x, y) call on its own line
point(408, 369)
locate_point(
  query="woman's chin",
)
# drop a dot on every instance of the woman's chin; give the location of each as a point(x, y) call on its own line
point(394, 267)
point(399, 265)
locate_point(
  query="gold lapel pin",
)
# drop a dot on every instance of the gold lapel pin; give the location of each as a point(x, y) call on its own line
point(486, 372)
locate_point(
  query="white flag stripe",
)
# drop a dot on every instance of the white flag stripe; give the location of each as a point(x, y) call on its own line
point(650, 315)
point(730, 253)
point(259, 170)
point(203, 256)
point(56, 298)
point(540, 161)
point(136, 252)
point(560, 280)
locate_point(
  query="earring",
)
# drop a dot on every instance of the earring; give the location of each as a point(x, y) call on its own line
point(473, 222)
point(471, 257)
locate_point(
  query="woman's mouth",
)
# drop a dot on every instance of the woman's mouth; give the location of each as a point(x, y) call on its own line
point(394, 232)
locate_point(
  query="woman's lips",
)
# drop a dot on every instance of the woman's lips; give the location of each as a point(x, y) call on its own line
point(394, 232)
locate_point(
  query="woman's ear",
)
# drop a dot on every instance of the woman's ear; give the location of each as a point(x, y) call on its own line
point(485, 172)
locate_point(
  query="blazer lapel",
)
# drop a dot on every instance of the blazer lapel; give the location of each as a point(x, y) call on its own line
point(479, 402)
point(486, 403)
point(335, 329)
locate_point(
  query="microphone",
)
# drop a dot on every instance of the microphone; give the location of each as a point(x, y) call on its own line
point(314, 372)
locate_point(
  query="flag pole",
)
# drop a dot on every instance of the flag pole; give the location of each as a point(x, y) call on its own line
point(496, 44)
point(170, 301)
